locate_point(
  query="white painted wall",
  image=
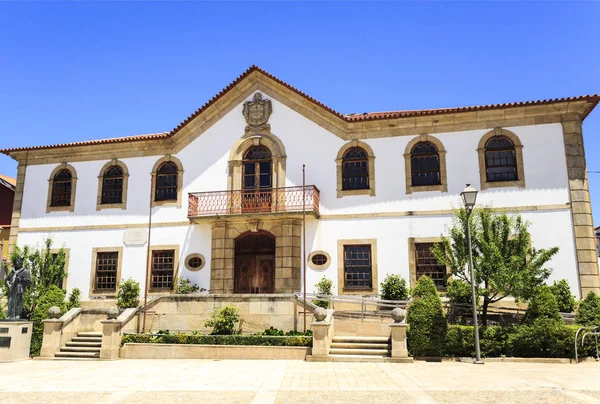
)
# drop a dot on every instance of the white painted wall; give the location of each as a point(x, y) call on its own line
point(206, 168)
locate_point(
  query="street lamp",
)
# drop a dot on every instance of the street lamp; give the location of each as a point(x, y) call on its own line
point(469, 196)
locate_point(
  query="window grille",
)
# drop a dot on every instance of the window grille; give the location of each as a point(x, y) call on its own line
point(106, 271)
point(319, 259)
point(163, 266)
point(61, 188)
point(357, 267)
point(428, 265)
point(166, 182)
point(112, 185)
point(425, 164)
point(355, 169)
point(500, 160)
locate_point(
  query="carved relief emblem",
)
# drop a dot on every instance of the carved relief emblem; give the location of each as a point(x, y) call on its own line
point(257, 113)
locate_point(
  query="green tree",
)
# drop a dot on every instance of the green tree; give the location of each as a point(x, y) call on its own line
point(543, 305)
point(505, 262)
point(588, 312)
point(223, 320)
point(128, 294)
point(565, 299)
point(394, 287)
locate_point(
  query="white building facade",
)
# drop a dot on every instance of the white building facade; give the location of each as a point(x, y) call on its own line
point(225, 193)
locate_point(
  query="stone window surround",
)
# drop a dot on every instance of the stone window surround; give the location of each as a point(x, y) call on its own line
point(520, 183)
point(123, 204)
point(319, 267)
point(67, 252)
point(194, 255)
point(252, 139)
point(443, 186)
point(153, 248)
point(412, 259)
point(157, 165)
point(95, 252)
point(374, 270)
point(71, 206)
point(339, 167)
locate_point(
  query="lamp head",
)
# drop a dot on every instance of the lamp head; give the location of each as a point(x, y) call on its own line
point(469, 197)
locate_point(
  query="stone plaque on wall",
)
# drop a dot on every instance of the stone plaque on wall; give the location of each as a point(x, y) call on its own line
point(133, 237)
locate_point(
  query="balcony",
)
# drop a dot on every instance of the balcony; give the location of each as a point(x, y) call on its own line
point(242, 202)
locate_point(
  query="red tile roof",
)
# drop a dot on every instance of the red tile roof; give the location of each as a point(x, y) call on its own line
point(346, 117)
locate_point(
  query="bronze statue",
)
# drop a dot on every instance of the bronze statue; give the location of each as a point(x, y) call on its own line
point(17, 281)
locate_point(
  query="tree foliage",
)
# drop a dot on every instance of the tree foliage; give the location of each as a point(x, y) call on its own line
point(562, 292)
point(185, 286)
point(588, 312)
point(425, 287)
point(394, 287)
point(505, 262)
point(324, 287)
point(128, 295)
point(543, 305)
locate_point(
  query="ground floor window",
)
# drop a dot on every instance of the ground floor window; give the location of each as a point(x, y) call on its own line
point(358, 271)
point(163, 268)
point(426, 264)
point(106, 271)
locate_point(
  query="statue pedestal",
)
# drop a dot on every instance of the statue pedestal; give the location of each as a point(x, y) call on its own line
point(15, 339)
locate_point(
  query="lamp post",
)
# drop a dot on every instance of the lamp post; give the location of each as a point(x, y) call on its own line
point(469, 196)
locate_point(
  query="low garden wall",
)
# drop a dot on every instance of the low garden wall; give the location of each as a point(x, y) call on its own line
point(194, 346)
point(175, 351)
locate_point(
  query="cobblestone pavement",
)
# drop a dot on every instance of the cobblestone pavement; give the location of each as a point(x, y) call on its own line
point(229, 381)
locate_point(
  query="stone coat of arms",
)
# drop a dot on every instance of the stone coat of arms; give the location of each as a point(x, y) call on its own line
point(257, 113)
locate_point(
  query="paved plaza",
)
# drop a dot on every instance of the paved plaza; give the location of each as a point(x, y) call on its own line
point(271, 381)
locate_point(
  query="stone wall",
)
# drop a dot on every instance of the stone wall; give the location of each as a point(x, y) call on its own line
point(173, 351)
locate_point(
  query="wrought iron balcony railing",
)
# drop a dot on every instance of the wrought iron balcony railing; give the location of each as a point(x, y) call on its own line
point(270, 200)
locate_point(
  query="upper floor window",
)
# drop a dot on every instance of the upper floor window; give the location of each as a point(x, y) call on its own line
point(425, 164)
point(166, 182)
point(167, 175)
point(61, 189)
point(500, 160)
point(112, 185)
point(355, 169)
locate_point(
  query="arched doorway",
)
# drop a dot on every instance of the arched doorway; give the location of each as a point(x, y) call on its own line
point(254, 263)
point(257, 180)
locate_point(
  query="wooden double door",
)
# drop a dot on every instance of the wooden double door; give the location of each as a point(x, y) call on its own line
point(255, 263)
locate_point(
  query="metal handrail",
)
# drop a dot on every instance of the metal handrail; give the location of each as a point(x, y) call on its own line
point(593, 330)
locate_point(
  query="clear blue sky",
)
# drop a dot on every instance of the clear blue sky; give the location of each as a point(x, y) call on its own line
point(78, 70)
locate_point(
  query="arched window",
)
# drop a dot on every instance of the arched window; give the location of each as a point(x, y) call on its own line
point(355, 169)
point(62, 185)
point(500, 160)
point(166, 182)
point(425, 164)
point(112, 185)
point(257, 168)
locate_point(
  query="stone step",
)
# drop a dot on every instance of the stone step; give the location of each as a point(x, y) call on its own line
point(359, 340)
point(79, 349)
point(84, 344)
point(73, 358)
point(89, 334)
point(373, 352)
point(365, 345)
point(86, 339)
point(357, 358)
point(77, 355)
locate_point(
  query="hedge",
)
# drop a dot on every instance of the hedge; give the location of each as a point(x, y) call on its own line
point(262, 340)
point(542, 339)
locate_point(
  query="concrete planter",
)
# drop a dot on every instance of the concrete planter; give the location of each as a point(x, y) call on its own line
point(179, 351)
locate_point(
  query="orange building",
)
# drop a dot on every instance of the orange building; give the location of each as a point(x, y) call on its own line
point(7, 194)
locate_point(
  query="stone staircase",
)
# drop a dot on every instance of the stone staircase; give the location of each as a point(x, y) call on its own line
point(360, 349)
point(85, 346)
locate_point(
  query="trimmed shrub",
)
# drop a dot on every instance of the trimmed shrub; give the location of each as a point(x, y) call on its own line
point(428, 324)
point(460, 341)
point(424, 288)
point(223, 320)
point(128, 294)
point(324, 287)
point(280, 333)
point(254, 339)
point(562, 293)
point(543, 338)
point(588, 312)
point(542, 306)
point(394, 287)
point(53, 296)
point(185, 286)
point(74, 299)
